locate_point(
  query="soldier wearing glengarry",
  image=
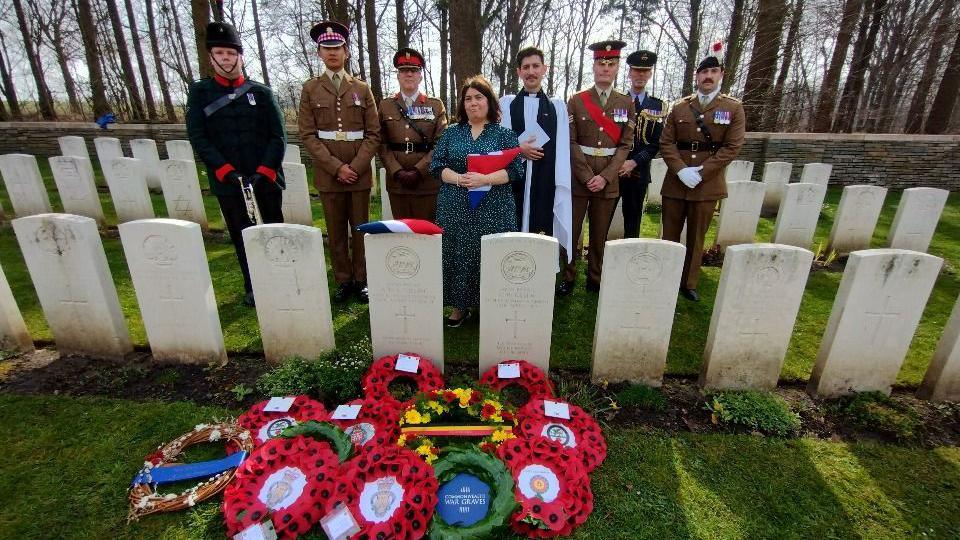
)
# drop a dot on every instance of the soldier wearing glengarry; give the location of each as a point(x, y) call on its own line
point(339, 125)
point(410, 122)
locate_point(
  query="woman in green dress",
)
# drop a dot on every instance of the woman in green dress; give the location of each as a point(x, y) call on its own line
point(477, 132)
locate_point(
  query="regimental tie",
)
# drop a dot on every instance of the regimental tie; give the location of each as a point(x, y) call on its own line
point(603, 98)
point(336, 81)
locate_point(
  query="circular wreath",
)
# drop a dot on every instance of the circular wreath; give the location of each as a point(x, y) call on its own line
point(448, 405)
point(144, 500)
point(265, 425)
point(285, 480)
point(551, 486)
point(376, 383)
point(492, 472)
point(580, 435)
point(532, 379)
point(389, 491)
point(376, 424)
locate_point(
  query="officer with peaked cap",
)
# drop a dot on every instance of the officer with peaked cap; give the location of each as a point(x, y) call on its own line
point(339, 126)
point(410, 123)
point(237, 129)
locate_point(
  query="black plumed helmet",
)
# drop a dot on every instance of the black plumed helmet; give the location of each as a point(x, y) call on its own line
point(221, 34)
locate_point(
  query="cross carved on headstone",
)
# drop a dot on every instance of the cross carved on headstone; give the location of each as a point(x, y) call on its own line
point(515, 320)
point(405, 316)
point(881, 316)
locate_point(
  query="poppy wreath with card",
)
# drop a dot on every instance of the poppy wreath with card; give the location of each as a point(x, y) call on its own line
point(580, 435)
point(389, 491)
point(376, 424)
point(284, 480)
point(265, 425)
point(376, 383)
point(532, 379)
point(551, 486)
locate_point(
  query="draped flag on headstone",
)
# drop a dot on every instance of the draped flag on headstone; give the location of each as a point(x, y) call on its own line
point(418, 226)
point(487, 164)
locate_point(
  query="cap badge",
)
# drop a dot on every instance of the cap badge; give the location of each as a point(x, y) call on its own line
point(609, 47)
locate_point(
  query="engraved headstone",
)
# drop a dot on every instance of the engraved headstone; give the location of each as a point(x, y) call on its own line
point(69, 270)
point(386, 212)
point(21, 176)
point(761, 286)
point(14, 335)
point(615, 232)
point(875, 314)
point(181, 191)
point(107, 149)
point(739, 171)
point(658, 171)
point(292, 154)
point(816, 173)
point(638, 295)
point(942, 381)
point(180, 149)
point(296, 197)
point(146, 151)
point(517, 277)
point(168, 267)
point(128, 189)
point(798, 214)
point(405, 280)
point(72, 145)
point(78, 192)
point(856, 218)
point(740, 213)
point(916, 218)
point(289, 279)
point(776, 176)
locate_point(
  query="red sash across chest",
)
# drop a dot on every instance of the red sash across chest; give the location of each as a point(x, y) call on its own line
point(596, 114)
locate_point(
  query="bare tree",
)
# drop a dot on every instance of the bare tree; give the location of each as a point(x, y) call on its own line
point(373, 48)
point(9, 90)
point(946, 100)
point(51, 20)
point(831, 80)
point(771, 114)
point(88, 32)
point(466, 31)
point(763, 61)
point(260, 48)
point(918, 104)
point(141, 62)
point(862, 52)
point(161, 78)
point(403, 31)
point(44, 99)
point(129, 76)
point(200, 12)
point(188, 69)
point(731, 60)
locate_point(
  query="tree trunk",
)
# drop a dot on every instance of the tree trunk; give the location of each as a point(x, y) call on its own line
point(517, 11)
point(403, 31)
point(9, 90)
point(693, 47)
point(161, 78)
point(183, 45)
point(853, 87)
point(129, 76)
point(466, 34)
point(88, 33)
point(338, 10)
point(68, 82)
point(918, 104)
point(444, 8)
point(44, 99)
point(771, 114)
point(763, 61)
point(201, 18)
point(943, 104)
point(373, 48)
point(141, 62)
point(823, 117)
point(734, 46)
point(260, 48)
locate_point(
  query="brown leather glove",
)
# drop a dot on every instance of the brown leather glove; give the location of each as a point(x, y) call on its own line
point(408, 178)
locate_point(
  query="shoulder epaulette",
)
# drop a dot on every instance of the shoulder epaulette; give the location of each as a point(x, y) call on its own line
point(731, 98)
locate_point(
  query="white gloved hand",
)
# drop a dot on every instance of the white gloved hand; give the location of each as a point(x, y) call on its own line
point(690, 176)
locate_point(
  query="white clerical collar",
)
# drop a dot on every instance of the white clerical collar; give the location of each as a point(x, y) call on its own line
point(330, 74)
point(709, 97)
point(641, 96)
point(413, 98)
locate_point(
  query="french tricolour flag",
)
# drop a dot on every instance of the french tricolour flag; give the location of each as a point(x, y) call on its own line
point(418, 226)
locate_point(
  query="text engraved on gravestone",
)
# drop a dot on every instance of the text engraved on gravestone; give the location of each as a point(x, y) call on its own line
point(517, 268)
point(283, 253)
point(403, 263)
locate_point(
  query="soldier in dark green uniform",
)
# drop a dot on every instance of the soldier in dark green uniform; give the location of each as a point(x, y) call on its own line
point(236, 128)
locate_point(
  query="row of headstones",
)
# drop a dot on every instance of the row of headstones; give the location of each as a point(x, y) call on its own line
point(876, 312)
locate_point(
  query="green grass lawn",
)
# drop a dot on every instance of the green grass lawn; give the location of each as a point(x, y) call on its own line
point(66, 464)
point(574, 317)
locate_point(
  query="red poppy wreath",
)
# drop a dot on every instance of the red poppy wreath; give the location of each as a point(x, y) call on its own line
point(376, 383)
point(528, 376)
point(580, 434)
point(265, 425)
point(376, 424)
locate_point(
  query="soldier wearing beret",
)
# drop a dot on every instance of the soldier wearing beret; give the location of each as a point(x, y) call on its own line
point(236, 127)
point(410, 122)
point(339, 126)
point(703, 134)
point(635, 171)
point(601, 135)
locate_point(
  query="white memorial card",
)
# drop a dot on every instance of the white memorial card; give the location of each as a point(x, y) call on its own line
point(508, 371)
point(346, 412)
point(556, 409)
point(410, 364)
point(279, 404)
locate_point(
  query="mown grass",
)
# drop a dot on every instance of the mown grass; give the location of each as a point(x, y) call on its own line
point(574, 316)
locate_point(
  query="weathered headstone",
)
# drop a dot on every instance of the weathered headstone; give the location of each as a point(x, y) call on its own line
point(758, 298)
point(942, 381)
point(856, 218)
point(180, 149)
point(181, 191)
point(739, 171)
point(146, 151)
point(24, 184)
point(78, 192)
point(296, 197)
point(798, 214)
point(292, 154)
point(816, 173)
point(405, 280)
point(67, 264)
point(776, 176)
point(638, 295)
point(517, 277)
point(289, 280)
point(386, 212)
point(108, 148)
point(615, 232)
point(14, 335)
point(72, 145)
point(916, 218)
point(168, 267)
point(128, 189)
point(658, 171)
point(740, 213)
point(875, 314)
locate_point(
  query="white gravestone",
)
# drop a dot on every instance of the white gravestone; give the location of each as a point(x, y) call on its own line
point(128, 189)
point(181, 191)
point(67, 264)
point(942, 381)
point(108, 148)
point(761, 286)
point(289, 279)
point(72, 145)
point(916, 218)
point(292, 154)
point(875, 314)
point(635, 310)
point(658, 171)
point(180, 149)
point(14, 335)
point(816, 173)
point(798, 214)
point(168, 267)
point(296, 197)
point(615, 232)
point(856, 218)
point(405, 280)
point(739, 171)
point(21, 175)
point(78, 192)
point(386, 212)
point(740, 213)
point(146, 151)
point(517, 277)
point(776, 176)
